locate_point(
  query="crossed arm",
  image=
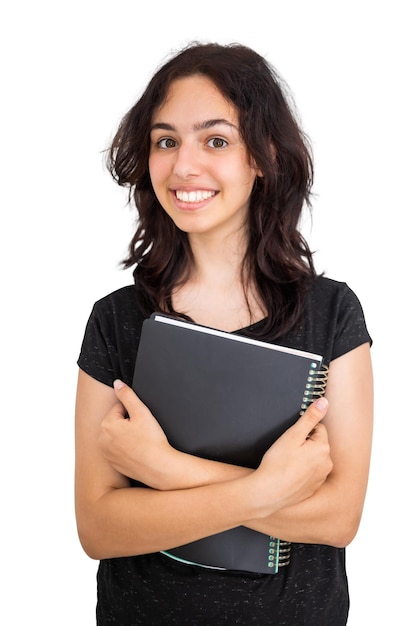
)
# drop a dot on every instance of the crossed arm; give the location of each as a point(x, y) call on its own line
point(306, 490)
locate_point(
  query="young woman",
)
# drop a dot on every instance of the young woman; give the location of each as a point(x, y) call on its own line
point(219, 172)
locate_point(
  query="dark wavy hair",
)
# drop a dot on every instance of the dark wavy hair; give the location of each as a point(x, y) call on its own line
point(278, 258)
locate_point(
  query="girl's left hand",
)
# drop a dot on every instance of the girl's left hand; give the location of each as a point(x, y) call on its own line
point(136, 446)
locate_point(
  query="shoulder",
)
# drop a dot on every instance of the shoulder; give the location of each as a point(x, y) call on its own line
point(118, 316)
point(112, 335)
point(122, 297)
point(329, 289)
point(334, 309)
point(118, 308)
point(332, 297)
point(332, 323)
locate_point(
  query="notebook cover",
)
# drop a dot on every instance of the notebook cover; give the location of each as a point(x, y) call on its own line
point(216, 397)
point(226, 399)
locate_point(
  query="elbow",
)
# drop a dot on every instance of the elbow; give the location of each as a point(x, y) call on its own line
point(100, 542)
point(91, 551)
point(95, 548)
point(93, 529)
point(92, 536)
point(342, 540)
point(343, 531)
point(90, 543)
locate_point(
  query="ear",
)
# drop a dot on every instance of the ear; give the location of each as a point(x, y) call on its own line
point(258, 171)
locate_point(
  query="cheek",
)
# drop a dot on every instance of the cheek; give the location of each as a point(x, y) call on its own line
point(242, 173)
point(158, 178)
point(247, 180)
point(153, 170)
point(160, 188)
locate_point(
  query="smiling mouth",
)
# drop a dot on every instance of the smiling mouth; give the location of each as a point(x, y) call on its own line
point(194, 196)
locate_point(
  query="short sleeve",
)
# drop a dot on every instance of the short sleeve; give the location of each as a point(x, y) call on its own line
point(111, 338)
point(351, 329)
point(97, 352)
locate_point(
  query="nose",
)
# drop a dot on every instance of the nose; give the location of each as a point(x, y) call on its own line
point(187, 161)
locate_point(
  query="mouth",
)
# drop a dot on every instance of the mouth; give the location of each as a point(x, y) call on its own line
point(194, 197)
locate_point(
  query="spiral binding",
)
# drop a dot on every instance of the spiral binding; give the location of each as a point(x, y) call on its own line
point(284, 553)
point(279, 553)
point(315, 385)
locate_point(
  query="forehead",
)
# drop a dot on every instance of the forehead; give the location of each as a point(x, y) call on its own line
point(193, 99)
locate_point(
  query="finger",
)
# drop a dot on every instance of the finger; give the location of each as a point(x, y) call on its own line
point(118, 411)
point(310, 419)
point(127, 396)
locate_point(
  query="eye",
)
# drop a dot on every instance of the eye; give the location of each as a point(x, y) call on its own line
point(166, 142)
point(217, 142)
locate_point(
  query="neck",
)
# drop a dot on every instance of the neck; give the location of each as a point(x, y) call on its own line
point(217, 260)
point(218, 293)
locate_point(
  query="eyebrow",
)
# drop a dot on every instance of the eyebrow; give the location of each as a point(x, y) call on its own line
point(198, 126)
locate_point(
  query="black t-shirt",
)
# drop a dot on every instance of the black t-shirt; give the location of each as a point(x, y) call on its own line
point(154, 589)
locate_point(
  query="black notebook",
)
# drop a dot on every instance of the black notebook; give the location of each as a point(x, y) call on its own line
point(224, 397)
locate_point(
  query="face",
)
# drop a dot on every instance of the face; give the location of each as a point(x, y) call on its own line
point(199, 166)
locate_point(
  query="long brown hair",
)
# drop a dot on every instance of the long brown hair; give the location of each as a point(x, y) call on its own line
point(278, 258)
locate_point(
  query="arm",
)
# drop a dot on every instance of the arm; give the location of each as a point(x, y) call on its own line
point(332, 515)
point(132, 447)
point(114, 519)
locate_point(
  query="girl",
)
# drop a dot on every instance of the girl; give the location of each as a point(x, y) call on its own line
point(219, 172)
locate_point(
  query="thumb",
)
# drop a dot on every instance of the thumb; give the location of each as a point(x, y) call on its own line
point(312, 416)
point(125, 395)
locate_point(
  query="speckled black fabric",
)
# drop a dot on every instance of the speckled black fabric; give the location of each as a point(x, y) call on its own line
point(154, 589)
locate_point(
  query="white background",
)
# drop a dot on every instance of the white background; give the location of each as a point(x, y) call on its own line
point(69, 72)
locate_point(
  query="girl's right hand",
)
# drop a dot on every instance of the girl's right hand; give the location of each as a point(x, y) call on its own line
point(297, 464)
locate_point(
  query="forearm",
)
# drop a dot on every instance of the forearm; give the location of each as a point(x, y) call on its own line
point(131, 521)
point(187, 471)
point(327, 517)
point(331, 516)
point(115, 520)
point(125, 521)
point(311, 521)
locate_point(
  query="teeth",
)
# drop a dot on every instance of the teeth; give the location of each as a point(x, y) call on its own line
point(194, 196)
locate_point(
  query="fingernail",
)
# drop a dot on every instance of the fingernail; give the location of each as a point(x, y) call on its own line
point(322, 403)
point(118, 384)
